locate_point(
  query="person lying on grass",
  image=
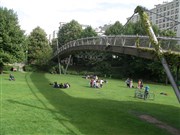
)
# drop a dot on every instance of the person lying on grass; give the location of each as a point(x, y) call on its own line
point(11, 77)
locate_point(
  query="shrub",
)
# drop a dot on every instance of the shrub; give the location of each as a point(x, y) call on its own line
point(7, 68)
point(29, 68)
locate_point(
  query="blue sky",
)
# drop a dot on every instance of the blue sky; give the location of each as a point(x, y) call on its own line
point(49, 13)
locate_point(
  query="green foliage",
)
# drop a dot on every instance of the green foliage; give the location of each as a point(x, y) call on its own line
point(29, 68)
point(7, 68)
point(68, 32)
point(115, 29)
point(168, 33)
point(39, 51)
point(54, 44)
point(88, 32)
point(104, 68)
point(129, 29)
point(12, 39)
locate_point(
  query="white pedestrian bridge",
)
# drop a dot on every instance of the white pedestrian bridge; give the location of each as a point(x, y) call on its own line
point(135, 45)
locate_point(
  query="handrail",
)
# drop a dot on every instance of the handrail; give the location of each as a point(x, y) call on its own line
point(168, 43)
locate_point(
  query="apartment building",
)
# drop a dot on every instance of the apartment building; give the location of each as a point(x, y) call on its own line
point(165, 16)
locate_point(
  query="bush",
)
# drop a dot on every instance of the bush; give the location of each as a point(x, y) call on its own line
point(29, 68)
point(7, 68)
point(72, 72)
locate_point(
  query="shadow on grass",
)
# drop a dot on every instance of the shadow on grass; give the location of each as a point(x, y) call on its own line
point(103, 116)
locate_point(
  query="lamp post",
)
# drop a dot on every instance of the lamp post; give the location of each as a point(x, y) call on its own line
point(26, 57)
point(58, 58)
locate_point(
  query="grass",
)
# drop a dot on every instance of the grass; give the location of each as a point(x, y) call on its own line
point(30, 106)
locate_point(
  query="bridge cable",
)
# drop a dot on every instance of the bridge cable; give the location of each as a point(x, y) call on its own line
point(122, 29)
point(128, 20)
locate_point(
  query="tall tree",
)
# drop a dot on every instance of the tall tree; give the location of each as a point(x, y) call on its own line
point(68, 32)
point(115, 29)
point(88, 32)
point(12, 39)
point(39, 51)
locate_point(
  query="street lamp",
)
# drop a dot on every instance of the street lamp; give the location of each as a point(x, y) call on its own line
point(26, 57)
point(58, 58)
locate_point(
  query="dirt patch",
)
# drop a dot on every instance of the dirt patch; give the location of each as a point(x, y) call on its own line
point(160, 124)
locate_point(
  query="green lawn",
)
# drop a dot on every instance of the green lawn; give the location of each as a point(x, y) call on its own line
point(30, 106)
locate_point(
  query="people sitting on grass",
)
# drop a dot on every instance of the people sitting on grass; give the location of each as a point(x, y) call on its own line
point(146, 92)
point(66, 85)
point(61, 85)
point(131, 83)
point(101, 82)
point(140, 84)
point(127, 82)
point(91, 82)
point(97, 83)
point(56, 85)
point(11, 77)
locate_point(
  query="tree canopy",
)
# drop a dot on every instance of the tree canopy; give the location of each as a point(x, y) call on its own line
point(88, 32)
point(68, 32)
point(12, 38)
point(39, 50)
point(115, 29)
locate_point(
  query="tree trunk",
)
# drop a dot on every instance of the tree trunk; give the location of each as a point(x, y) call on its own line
point(177, 74)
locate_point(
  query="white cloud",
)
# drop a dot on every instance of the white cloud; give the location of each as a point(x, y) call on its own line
point(48, 13)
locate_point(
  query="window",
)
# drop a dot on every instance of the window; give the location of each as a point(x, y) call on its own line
point(168, 13)
point(172, 12)
point(167, 25)
point(160, 20)
point(177, 4)
point(177, 10)
point(163, 25)
point(164, 8)
point(171, 24)
point(175, 28)
point(160, 26)
point(176, 16)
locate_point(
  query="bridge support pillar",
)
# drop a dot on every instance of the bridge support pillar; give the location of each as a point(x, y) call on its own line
point(69, 59)
point(59, 65)
point(171, 79)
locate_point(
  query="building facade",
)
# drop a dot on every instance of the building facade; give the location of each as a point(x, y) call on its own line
point(165, 16)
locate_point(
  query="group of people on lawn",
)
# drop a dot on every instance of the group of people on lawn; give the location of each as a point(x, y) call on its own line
point(129, 83)
point(95, 82)
point(61, 85)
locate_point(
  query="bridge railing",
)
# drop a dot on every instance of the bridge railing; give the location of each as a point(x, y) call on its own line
point(172, 44)
point(167, 43)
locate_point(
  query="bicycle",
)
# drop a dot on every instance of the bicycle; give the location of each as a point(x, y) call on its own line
point(140, 94)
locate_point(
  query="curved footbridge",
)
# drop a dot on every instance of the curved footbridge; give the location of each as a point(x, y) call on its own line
point(139, 46)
